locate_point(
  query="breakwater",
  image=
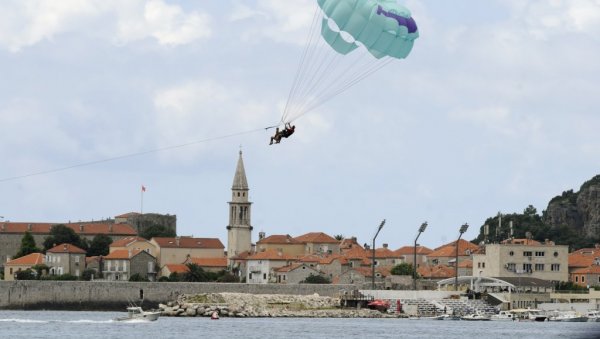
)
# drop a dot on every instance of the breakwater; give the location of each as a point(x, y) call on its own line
point(241, 305)
point(114, 295)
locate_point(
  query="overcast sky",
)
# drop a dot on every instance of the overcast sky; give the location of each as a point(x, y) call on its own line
point(496, 108)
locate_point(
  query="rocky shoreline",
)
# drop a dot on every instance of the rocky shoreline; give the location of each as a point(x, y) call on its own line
point(244, 305)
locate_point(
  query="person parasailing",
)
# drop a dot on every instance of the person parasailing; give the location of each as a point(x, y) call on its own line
point(285, 133)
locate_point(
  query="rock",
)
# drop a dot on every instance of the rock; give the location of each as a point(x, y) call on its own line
point(190, 312)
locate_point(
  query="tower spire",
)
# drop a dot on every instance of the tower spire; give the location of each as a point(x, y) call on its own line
point(239, 180)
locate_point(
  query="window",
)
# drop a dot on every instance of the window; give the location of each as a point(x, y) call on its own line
point(527, 267)
point(511, 253)
point(540, 254)
point(583, 278)
point(77, 259)
point(250, 276)
point(576, 278)
point(539, 267)
point(555, 254)
point(11, 270)
point(478, 265)
point(150, 267)
point(511, 267)
point(555, 267)
point(527, 253)
point(482, 265)
point(264, 276)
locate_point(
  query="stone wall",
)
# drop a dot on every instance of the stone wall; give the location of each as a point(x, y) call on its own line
point(105, 295)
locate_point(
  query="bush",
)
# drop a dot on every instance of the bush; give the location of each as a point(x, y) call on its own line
point(315, 279)
point(163, 279)
point(88, 273)
point(138, 277)
point(27, 274)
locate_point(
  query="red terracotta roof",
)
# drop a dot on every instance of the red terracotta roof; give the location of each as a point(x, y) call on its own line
point(410, 250)
point(436, 272)
point(242, 256)
point(185, 242)
point(583, 257)
point(290, 267)
point(87, 229)
point(310, 258)
point(126, 241)
point(89, 260)
point(123, 254)
point(355, 253)
point(28, 260)
point(593, 269)
point(271, 254)
point(384, 253)
point(209, 262)
point(449, 250)
point(66, 248)
point(177, 268)
point(348, 243)
point(278, 239)
point(317, 237)
point(330, 258)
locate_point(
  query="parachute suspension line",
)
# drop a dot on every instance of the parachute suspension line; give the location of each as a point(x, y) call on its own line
point(332, 77)
point(308, 71)
point(373, 69)
point(326, 68)
point(302, 61)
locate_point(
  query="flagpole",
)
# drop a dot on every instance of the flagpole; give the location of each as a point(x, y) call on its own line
point(142, 200)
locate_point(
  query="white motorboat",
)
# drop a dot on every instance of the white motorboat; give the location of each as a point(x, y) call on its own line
point(475, 317)
point(138, 314)
point(503, 316)
point(569, 316)
point(593, 315)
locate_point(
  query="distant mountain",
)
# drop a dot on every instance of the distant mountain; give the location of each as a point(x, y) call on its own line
point(572, 218)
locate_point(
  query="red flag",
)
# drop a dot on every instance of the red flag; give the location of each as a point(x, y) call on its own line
point(143, 188)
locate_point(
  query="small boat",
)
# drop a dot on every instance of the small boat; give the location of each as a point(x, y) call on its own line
point(593, 315)
point(214, 316)
point(569, 316)
point(503, 316)
point(138, 314)
point(437, 317)
point(475, 317)
point(380, 305)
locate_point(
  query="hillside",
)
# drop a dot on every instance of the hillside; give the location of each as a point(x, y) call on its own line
point(572, 218)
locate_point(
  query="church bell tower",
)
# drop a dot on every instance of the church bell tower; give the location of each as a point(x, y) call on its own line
point(239, 230)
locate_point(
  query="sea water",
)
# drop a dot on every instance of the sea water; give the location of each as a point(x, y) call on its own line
point(64, 324)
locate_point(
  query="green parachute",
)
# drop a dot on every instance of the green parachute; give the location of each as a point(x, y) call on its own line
point(349, 40)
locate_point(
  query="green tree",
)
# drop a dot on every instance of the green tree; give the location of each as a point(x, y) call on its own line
point(403, 269)
point(27, 274)
point(195, 273)
point(150, 230)
point(315, 279)
point(99, 245)
point(60, 234)
point(28, 246)
point(339, 237)
point(88, 273)
point(138, 277)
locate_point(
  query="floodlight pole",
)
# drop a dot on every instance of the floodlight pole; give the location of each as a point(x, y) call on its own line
point(373, 259)
point(421, 230)
point(462, 230)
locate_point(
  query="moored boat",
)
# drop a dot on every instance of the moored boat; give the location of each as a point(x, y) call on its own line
point(475, 317)
point(503, 316)
point(569, 316)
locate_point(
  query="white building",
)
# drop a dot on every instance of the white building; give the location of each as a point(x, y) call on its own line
point(523, 258)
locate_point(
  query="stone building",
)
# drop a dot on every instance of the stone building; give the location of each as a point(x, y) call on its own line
point(11, 233)
point(65, 259)
point(239, 230)
point(177, 250)
point(446, 254)
point(21, 264)
point(141, 221)
point(523, 258)
point(319, 243)
point(122, 264)
point(295, 273)
point(261, 266)
point(281, 242)
point(133, 243)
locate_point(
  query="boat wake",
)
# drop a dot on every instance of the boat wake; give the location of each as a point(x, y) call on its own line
point(33, 321)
